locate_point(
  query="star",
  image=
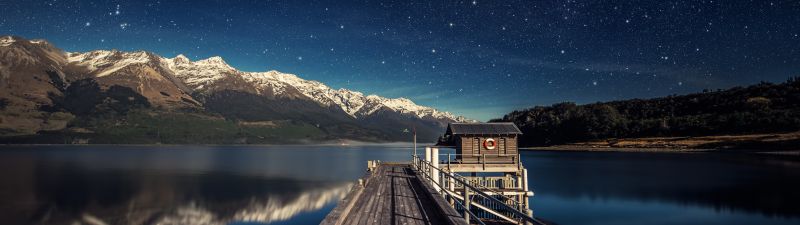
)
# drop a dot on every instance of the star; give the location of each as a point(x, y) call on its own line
point(627, 58)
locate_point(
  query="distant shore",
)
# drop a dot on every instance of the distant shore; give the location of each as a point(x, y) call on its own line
point(773, 143)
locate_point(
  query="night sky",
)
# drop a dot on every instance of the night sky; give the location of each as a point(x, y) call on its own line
point(481, 59)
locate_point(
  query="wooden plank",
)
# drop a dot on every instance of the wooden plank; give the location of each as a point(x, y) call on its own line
point(370, 190)
point(386, 213)
point(401, 208)
point(401, 203)
point(419, 210)
point(375, 205)
point(343, 208)
point(380, 200)
point(447, 213)
point(414, 210)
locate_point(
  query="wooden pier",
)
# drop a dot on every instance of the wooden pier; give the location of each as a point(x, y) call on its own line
point(484, 182)
point(393, 193)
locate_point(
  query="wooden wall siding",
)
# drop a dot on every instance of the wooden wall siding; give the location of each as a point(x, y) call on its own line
point(476, 146)
point(511, 146)
point(501, 146)
point(467, 145)
point(471, 148)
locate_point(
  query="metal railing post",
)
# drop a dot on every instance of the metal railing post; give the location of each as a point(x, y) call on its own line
point(484, 161)
point(452, 187)
point(467, 203)
point(448, 162)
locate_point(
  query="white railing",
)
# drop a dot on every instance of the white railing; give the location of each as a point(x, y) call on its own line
point(490, 182)
point(481, 159)
point(446, 182)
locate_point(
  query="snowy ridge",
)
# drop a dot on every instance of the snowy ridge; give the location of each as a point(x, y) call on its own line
point(104, 63)
point(354, 103)
point(202, 74)
point(198, 74)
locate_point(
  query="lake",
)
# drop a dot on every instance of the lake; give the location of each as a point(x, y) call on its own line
point(300, 184)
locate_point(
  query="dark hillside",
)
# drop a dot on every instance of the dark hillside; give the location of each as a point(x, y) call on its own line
point(760, 108)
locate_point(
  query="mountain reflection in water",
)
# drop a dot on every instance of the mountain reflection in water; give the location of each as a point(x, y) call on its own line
point(210, 198)
point(300, 184)
point(173, 185)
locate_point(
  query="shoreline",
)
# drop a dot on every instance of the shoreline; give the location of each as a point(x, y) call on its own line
point(572, 148)
point(387, 144)
point(577, 148)
point(769, 143)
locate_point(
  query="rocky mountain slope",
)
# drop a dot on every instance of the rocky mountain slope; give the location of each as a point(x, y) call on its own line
point(47, 92)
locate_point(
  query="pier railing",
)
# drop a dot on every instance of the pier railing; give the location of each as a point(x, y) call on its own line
point(480, 197)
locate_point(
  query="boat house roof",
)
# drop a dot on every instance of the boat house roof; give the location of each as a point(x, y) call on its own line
point(482, 128)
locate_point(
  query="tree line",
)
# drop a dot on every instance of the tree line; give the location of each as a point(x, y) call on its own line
point(759, 108)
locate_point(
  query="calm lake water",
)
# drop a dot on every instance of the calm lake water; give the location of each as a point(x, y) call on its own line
point(300, 184)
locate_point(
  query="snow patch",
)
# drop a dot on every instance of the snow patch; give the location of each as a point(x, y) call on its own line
point(7, 41)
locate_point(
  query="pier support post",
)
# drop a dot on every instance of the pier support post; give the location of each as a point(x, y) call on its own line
point(428, 154)
point(425, 168)
point(466, 202)
point(434, 170)
point(451, 185)
point(525, 200)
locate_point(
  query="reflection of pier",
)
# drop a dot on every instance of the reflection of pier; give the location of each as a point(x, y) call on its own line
point(434, 191)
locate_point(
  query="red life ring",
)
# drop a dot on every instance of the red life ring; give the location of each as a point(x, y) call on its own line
point(489, 143)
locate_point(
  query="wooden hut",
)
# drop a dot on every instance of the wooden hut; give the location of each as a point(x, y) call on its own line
point(484, 142)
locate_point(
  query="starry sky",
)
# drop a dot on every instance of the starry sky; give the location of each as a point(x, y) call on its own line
point(480, 59)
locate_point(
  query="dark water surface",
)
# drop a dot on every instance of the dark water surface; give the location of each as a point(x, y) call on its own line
point(300, 184)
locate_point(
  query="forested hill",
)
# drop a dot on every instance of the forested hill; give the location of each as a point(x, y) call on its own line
point(760, 108)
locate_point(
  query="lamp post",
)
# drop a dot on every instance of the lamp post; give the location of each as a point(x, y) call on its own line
point(414, 133)
point(415, 140)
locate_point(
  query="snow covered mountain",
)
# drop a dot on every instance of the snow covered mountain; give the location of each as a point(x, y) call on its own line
point(207, 85)
point(211, 73)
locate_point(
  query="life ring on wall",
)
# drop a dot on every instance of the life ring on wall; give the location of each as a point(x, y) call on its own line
point(489, 143)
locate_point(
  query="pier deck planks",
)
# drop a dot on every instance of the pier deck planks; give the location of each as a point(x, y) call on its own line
point(394, 195)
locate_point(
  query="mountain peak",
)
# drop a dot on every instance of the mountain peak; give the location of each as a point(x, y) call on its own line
point(7, 40)
point(214, 60)
point(180, 58)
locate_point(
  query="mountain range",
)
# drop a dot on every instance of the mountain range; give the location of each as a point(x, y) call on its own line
point(48, 95)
